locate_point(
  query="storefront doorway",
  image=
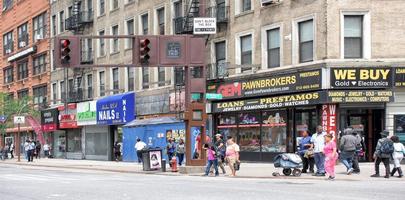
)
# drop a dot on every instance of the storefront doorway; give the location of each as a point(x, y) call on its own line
point(367, 122)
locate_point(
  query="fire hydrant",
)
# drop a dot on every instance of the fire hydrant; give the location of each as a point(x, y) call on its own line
point(174, 164)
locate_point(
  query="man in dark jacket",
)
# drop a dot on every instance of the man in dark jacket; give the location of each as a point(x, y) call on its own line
point(348, 145)
point(380, 156)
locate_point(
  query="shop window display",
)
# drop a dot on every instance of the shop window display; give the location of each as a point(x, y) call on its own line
point(399, 127)
point(74, 141)
point(274, 131)
point(249, 132)
point(227, 125)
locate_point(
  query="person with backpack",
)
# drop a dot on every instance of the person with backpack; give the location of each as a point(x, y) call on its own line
point(398, 155)
point(348, 144)
point(211, 159)
point(383, 151)
point(220, 148)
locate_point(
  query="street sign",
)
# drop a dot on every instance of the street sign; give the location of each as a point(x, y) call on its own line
point(213, 96)
point(3, 118)
point(205, 25)
point(19, 119)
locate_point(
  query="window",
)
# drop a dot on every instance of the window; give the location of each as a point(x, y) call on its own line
point(54, 25)
point(115, 77)
point(8, 45)
point(70, 8)
point(101, 7)
point(114, 4)
point(22, 70)
point(161, 20)
point(114, 31)
point(353, 33)
point(8, 74)
point(246, 52)
point(39, 25)
point(144, 20)
point(89, 86)
point(220, 58)
point(102, 44)
point(249, 132)
point(62, 91)
point(22, 94)
point(130, 31)
point(306, 41)
point(273, 48)
point(71, 88)
point(102, 83)
point(22, 35)
point(178, 9)
point(131, 78)
point(145, 78)
point(39, 94)
point(61, 21)
point(7, 4)
point(39, 65)
point(246, 5)
point(399, 127)
point(274, 131)
point(161, 76)
point(54, 93)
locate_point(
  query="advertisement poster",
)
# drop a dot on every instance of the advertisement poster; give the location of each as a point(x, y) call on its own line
point(67, 117)
point(272, 84)
point(155, 158)
point(49, 120)
point(399, 127)
point(361, 77)
point(86, 113)
point(328, 119)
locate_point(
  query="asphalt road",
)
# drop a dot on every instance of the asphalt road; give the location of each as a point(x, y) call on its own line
point(32, 183)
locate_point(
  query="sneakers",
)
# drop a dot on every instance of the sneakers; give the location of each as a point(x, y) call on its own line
point(375, 175)
point(331, 178)
point(387, 176)
point(350, 171)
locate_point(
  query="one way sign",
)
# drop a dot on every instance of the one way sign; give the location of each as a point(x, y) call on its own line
point(19, 119)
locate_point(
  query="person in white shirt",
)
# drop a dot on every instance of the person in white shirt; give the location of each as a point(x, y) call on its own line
point(46, 150)
point(139, 146)
point(27, 150)
point(318, 142)
point(398, 155)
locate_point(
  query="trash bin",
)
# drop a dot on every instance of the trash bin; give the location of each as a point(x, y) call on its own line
point(152, 159)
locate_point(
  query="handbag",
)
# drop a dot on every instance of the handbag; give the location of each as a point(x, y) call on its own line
point(309, 153)
point(236, 165)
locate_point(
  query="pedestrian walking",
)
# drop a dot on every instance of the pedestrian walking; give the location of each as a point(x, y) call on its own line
point(6, 150)
point(139, 146)
point(12, 150)
point(180, 151)
point(170, 149)
point(306, 152)
point(383, 152)
point(318, 142)
point(232, 154)
point(360, 146)
point(117, 151)
point(27, 150)
point(211, 159)
point(398, 155)
point(348, 144)
point(46, 150)
point(221, 149)
point(330, 151)
point(37, 150)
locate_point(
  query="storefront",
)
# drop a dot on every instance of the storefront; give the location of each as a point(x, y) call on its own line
point(266, 114)
point(395, 114)
point(49, 123)
point(113, 112)
point(71, 141)
point(96, 137)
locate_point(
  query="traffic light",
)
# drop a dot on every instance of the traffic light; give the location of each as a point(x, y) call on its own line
point(65, 51)
point(144, 51)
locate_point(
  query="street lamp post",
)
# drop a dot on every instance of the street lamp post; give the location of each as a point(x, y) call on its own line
point(18, 140)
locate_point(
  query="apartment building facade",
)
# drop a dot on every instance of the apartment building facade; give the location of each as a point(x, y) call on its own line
point(281, 67)
point(24, 60)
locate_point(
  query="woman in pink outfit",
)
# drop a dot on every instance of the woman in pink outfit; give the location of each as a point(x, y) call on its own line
point(330, 156)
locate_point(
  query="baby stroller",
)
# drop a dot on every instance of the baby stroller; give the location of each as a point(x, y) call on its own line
point(291, 164)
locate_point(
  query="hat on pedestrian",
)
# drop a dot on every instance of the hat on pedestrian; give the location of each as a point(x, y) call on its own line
point(384, 133)
point(218, 135)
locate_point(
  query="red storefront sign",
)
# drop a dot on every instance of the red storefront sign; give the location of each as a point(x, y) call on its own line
point(329, 119)
point(67, 117)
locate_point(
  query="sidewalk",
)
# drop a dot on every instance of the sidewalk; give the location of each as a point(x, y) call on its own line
point(248, 170)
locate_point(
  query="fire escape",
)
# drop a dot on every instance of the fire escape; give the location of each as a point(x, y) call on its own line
point(184, 24)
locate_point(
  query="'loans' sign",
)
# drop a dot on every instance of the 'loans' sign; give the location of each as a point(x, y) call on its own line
point(205, 26)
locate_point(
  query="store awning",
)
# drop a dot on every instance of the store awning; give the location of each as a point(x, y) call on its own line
point(116, 109)
point(153, 121)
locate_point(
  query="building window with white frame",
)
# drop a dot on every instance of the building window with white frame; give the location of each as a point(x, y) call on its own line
point(115, 43)
point(130, 31)
point(145, 24)
point(39, 65)
point(101, 77)
point(353, 36)
point(246, 53)
point(161, 76)
point(54, 25)
point(145, 77)
point(61, 21)
point(54, 93)
point(273, 47)
point(178, 9)
point(8, 74)
point(22, 70)
point(114, 4)
point(39, 94)
point(8, 44)
point(131, 78)
point(220, 59)
point(246, 5)
point(161, 20)
point(101, 51)
point(62, 91)
point(22, 35)
point(115, 81)
point(306, 41)
point(101, 7)
point(90, 86)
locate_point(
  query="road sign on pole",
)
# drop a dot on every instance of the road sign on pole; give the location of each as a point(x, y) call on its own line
point(19, 119)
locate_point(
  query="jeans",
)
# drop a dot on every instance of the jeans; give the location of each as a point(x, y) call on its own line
point(308, 163)
point(319, 162)
point(209, 164)
point(356, 166)
point(347, 159)
point(139, 154)
point(30, 155)
point(181, 158)
point(170, 156)
point(386, 162)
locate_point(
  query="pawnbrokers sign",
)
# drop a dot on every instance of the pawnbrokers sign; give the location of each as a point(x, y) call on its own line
point(274, 84)
point(361, 77)
point(270, 102)
point(360, 96)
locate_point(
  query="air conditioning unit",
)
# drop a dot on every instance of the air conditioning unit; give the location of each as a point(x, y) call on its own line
point(22, 44)
point(39, 37)
point(268, 2)
point(8, 51)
